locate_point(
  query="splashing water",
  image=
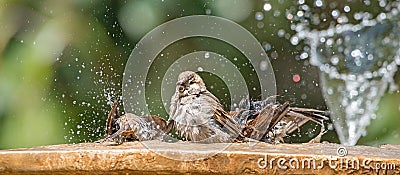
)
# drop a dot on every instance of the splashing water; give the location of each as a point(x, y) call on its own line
point(357, 63)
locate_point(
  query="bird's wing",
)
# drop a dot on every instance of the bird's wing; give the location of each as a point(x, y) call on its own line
point(296, 117)
point(160, 122)
point(172, 107)
point(314, 115)
point(112, 116)
point(268, 117)
point(222, 117)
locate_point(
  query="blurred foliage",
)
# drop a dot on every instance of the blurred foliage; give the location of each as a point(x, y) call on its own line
point(61, 64)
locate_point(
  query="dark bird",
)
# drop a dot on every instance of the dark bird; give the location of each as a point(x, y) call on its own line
point(130, 127)
point(197, 115)
point(270, 121)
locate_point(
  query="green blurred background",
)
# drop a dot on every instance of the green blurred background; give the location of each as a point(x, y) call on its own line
point(61, 62)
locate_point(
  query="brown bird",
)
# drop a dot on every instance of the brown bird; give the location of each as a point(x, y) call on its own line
point(197, 115)
point(270, 121)
point(130, 127)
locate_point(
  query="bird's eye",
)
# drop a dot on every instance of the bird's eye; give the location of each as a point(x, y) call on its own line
point(191, 82)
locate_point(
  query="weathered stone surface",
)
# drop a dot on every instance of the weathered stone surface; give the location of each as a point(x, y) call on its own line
point(135, 158)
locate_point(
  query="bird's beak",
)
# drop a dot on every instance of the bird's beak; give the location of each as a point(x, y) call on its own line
point(181, 88)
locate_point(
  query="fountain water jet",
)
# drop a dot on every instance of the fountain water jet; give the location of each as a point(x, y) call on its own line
point(357, 64)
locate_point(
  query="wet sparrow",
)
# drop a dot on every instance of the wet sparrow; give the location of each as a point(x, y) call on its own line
point(130, 127)
point(197, 115)
point(270, 121)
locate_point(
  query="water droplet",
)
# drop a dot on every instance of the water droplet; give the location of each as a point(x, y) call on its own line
point(277, 13)
point(296, 78)
point(329, 91)
point(267, 7)
point(335, 13)
point(207, 55)
point(319, 3)
point(281, 32)
point(208, 11)
point(300, 13)
point(263, 65)
point(259, 16)
point(294, 40)
point(353, 93)
point(355, 53)
point(303, 55)
point(267, 47)
point(260, 25)
point(335, 60)
point(346, 9)
point(289, 16)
